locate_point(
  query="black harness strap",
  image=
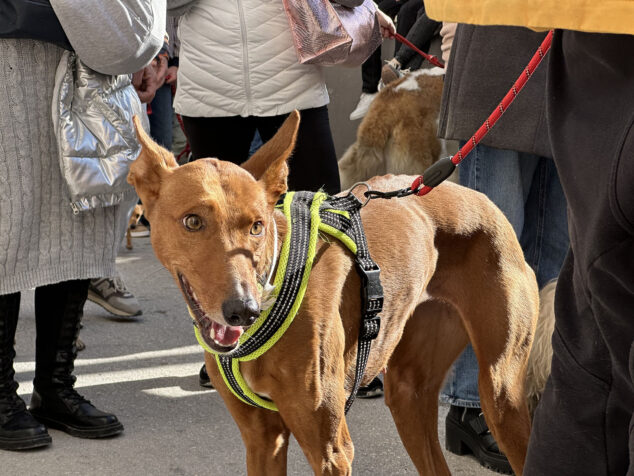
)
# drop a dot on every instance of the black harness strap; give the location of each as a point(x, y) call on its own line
point(371, 289)
point(300, 224)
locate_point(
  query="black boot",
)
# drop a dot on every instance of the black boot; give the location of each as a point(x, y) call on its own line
point(58, 311)
point(18, 429)
point(466, 431)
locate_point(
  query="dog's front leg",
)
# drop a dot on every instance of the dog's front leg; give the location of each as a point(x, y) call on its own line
point(264, 433)
point(313, 410)
point(323, 436)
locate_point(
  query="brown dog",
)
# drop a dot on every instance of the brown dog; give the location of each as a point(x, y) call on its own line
point(452, 271)
point(137, 213)
point(398, 135)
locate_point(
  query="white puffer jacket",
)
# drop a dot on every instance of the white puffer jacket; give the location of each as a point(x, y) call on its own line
point(237, 58)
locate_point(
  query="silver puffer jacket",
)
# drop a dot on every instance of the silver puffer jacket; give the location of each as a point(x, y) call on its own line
point(92, 119)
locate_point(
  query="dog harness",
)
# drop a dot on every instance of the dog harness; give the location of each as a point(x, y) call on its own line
point(307, 215)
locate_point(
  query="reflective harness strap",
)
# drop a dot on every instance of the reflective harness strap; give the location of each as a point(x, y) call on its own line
point(371, 289)
point(307, 214)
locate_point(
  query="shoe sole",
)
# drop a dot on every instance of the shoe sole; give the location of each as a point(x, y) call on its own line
point(89, 433)
point(460, 442)
point(117, 312)
point(26, 443)
point(205, 383)
point(139, 234)
point(370, 393)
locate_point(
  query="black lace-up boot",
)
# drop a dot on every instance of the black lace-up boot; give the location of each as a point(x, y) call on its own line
point(58, 311)
point(18, 429)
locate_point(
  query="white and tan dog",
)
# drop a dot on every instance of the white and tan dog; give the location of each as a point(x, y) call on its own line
point(398, 135)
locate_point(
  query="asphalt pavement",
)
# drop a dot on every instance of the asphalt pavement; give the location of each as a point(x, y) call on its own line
point(145, 370)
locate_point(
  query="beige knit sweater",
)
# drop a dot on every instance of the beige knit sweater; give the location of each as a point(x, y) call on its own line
point(41, 241)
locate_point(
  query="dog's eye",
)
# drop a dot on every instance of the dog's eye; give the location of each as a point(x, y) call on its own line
point(257, 228)
point(193, 222)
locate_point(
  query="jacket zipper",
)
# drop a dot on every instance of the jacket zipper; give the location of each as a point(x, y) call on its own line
point(245, 56)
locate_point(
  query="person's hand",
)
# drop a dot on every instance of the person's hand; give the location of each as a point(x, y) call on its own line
point(388, 30)
point(146, 89)
point(160, 67)
point(170, 78)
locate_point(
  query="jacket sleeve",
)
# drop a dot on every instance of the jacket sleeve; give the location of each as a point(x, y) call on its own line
point(113, 36)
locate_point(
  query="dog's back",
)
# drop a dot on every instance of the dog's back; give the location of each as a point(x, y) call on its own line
point(398, 134)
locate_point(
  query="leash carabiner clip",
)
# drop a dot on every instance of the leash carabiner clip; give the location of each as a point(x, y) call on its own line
point(365, 194)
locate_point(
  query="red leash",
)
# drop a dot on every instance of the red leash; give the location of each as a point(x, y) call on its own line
point(431, 58)
point(438, 172)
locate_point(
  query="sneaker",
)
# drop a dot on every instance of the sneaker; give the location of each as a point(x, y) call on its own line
point(391, 71)
point(112, 295)
point(467, 432)
point(362, 108)
point(372, 390)
point(203, 378)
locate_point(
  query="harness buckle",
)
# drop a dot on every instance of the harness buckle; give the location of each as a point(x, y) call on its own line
point(370, 328)
point(371, 297)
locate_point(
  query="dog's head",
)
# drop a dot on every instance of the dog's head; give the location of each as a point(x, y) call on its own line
point(137, 213)
point(212, 228)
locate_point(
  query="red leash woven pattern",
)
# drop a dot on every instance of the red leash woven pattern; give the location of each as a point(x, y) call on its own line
point(495, 115)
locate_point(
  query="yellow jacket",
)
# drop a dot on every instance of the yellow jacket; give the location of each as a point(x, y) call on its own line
point(598, 16)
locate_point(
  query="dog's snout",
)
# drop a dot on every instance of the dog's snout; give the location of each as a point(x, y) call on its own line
point(240, 311)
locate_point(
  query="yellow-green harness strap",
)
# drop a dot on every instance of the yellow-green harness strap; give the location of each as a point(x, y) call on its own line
point(307, 215)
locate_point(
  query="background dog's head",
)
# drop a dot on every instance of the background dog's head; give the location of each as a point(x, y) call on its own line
point(212, 227)
point(137, 213)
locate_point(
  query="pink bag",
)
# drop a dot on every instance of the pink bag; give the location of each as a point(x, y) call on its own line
point(330, 34)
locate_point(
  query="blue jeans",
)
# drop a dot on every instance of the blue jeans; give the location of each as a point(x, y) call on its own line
point(526, 188)
point(161, 117)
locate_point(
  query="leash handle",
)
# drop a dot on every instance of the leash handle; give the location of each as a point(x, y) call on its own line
point(431, 58)
point(508, 99)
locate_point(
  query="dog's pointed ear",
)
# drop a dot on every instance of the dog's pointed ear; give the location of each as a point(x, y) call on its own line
point(149, 168)
point(268, 164)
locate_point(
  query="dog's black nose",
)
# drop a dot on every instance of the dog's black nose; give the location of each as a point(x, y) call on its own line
point(240, 311)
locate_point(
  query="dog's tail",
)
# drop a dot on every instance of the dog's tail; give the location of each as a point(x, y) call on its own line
point(360, 163)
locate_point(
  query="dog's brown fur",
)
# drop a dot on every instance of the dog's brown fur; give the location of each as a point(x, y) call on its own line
point(452, 271)
point(398, 135)
point(137, 213)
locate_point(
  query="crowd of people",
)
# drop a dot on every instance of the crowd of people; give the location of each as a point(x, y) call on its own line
point(560, 165)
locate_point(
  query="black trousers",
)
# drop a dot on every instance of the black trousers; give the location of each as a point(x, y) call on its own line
point(407, 11)
point(583, 424)
point(313, 164)
point(420, 34)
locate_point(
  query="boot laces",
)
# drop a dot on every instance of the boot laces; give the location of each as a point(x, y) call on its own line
point(70, 395)
point(14, 404)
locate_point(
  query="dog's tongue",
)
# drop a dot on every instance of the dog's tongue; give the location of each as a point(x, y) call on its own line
point(226, 335)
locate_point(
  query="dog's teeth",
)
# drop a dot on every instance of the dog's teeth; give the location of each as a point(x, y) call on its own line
point(212, 334)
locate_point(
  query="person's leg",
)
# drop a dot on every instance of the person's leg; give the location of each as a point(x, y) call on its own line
point(371, 68)
point(582, 424)
point(58, 312)
point(420, 34)
point(18, 429)
point(161, 117)
point(544, 237)
point(313, 165)
point(225, 138)
point(406, 18)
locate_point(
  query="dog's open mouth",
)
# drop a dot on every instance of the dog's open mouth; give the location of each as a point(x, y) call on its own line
point(218, 337)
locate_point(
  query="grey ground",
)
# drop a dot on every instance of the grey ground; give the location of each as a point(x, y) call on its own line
point(146, 371)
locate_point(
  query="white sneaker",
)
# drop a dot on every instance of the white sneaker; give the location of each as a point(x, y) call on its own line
point(362, 108)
